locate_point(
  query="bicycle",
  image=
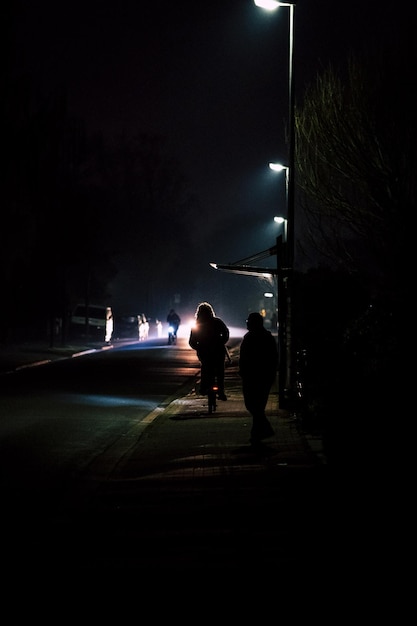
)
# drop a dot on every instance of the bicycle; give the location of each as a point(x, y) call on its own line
point(209, 385)
point(212, 399)
point(172, 335)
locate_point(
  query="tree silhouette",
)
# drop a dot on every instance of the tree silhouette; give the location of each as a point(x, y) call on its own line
point(356, 166)
point(356, 156)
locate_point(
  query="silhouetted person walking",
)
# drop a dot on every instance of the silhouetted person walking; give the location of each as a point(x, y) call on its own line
point(258, 363)
point(174, 322)
point(209, 337)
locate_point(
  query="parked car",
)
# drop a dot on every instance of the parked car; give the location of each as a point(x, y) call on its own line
point(127, 326)
point(93, 322)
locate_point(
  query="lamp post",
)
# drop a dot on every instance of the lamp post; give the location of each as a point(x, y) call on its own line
point(271, 5)
point(282, 301)
point(288, 256)
point(278, 167)
point(270, 295)
point(282, 220)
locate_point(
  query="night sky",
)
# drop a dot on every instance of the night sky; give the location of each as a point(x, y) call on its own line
point(211, 77)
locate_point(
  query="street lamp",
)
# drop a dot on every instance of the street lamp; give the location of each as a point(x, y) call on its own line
point(271, 5)
point(282, 220)
point(278, 167)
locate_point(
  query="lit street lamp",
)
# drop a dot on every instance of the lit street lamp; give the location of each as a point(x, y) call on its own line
point(271, 5)
point(287, 257)
point(282, 220)
point(278, 167)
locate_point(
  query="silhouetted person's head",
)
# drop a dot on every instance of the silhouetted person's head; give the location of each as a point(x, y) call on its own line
point(255, 321)
point(204, 312)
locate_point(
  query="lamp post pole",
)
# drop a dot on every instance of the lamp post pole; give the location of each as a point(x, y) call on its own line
point(290, 216)
point(286, 399)
point(281, 319)
point(291, 147)
point(281, 244)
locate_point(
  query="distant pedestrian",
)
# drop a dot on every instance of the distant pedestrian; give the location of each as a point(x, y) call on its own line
point(143, 327)
point(258, 363)
point(174, 322)
point(208, 338)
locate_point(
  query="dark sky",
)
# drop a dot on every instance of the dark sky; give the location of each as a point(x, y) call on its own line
point(210, 76)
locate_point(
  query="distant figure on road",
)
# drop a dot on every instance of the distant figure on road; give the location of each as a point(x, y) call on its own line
point(258, 363)
point(174, 322)
point(208, 338)
point(143, 327)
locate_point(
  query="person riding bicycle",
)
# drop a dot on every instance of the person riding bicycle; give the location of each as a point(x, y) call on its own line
point(208, 338)
point(174, 322)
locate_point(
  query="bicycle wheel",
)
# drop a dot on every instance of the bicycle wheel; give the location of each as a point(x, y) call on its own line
point(212, 400)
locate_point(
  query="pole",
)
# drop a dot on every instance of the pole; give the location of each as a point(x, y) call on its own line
point(291, 212)
point(287, 280)
point(282, 351)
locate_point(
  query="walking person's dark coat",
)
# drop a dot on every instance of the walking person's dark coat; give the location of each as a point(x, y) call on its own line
point(258, 363)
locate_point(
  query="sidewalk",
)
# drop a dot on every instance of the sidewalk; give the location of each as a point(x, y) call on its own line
point(192, 495)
